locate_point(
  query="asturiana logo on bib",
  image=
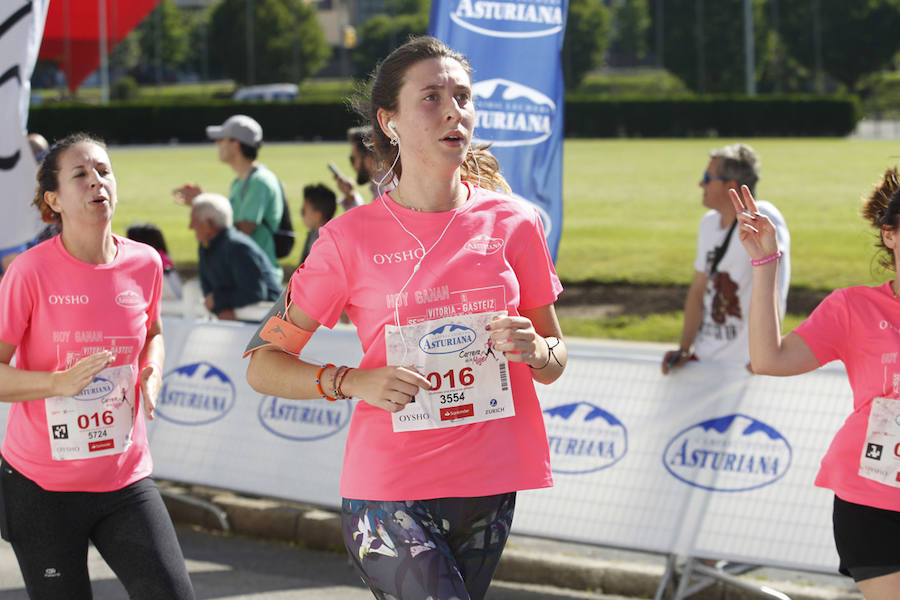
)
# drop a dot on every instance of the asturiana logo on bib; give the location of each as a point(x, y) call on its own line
point(303, 421)
point(733, 453)
point(98, 388)
point(584, 438)
point(509, 19)
point(195, 394)
point(128, 298)
point(446, 339)
point(511, 114)
point(483, 245)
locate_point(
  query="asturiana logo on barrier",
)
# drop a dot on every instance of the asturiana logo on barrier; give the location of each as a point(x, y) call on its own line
point(303, 421)
point(526, 19)
point(195, 394)
point(584, 438)
point(447, 339)
point(98, 388)
point(734, 453)
point(511, 114)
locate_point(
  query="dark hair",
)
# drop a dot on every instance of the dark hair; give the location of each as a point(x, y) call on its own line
point(48, 171)
point(249, 152)
point(149, 234)
point(479, 165)
point(322, 199)
point(882, 209)
point(359, 137)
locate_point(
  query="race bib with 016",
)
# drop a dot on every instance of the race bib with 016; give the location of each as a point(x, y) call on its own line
point(880, 458)
point(470, 379)
point(96, 422)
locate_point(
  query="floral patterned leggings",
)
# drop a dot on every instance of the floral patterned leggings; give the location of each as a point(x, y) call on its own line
point(441, 549)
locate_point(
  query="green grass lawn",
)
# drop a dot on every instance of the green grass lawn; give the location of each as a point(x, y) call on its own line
point(631, 208)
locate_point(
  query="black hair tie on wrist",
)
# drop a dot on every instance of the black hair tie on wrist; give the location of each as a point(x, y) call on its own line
point(550, 354)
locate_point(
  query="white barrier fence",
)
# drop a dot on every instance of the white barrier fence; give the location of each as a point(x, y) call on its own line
point(709, 461)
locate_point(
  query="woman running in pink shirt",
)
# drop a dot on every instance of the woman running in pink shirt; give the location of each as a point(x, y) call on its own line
point(80, 315)
point(434, 274)
point(859, 326)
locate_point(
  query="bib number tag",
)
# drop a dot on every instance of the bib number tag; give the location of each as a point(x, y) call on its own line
point(880, 457)
point(470, 378)
point(96, 422)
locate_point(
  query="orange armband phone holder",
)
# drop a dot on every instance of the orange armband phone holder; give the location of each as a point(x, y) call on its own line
point(276, 330)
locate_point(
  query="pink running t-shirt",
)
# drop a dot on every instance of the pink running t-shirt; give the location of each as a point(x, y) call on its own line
point(53, 308)
point(859, 326)
point(493, 256)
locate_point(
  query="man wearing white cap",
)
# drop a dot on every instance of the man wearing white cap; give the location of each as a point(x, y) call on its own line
point(255, 194)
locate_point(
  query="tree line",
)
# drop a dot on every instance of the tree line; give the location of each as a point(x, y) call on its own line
point(799, 45)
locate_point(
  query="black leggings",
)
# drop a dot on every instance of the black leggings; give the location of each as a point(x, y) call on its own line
point(49, 532)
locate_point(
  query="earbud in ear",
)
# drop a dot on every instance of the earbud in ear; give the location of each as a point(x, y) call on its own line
point(396, 139)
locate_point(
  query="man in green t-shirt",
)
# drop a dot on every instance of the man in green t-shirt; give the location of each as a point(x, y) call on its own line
point(255, 193)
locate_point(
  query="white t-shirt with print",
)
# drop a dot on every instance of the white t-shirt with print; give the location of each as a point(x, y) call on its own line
point(723, 334)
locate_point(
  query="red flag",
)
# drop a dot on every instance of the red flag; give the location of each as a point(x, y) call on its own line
point(72, 32)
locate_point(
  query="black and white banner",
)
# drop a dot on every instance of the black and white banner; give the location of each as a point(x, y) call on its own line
point(21, 28)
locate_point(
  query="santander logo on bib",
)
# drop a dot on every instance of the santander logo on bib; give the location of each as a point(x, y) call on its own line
point(483, 245)
point(128, 298)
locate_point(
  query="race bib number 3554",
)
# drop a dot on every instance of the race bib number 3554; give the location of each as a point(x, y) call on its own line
point(470, 380)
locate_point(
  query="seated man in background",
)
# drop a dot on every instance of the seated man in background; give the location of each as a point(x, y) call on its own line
point(716, 311)
point(235, 274)
point(255, 194)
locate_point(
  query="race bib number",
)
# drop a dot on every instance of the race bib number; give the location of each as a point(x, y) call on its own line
point(880, 458)
point(470, 378)
point(96, 422)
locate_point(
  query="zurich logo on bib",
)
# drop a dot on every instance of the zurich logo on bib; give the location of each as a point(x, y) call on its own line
point(195, 394)
point(584, 438)
point(508, 19)
point(733, 453)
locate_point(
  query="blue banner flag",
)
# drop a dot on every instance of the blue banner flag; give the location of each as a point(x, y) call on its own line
point(517, 85)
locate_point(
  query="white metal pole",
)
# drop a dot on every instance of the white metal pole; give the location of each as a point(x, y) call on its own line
point(104, 62)
point(749, 49)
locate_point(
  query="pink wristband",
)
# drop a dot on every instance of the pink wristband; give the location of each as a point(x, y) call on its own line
point(151, 362)
point(758, 262)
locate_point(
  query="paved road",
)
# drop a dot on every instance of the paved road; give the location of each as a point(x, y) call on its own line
point(241, 568)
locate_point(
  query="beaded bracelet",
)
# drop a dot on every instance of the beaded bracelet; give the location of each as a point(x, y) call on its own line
point(334, 384)
point(319, 382)
point(340, 393)
point(758, 262)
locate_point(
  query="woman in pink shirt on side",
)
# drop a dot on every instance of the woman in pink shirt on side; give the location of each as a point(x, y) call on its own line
point(80, 315)
point(451, 288)
point(859, 326)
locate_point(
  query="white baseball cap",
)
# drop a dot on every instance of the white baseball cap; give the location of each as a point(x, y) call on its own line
point(238, 127)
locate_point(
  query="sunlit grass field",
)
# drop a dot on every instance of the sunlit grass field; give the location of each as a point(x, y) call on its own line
point(631, 207)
